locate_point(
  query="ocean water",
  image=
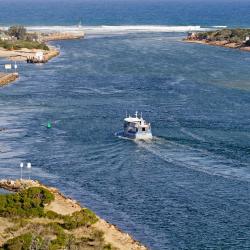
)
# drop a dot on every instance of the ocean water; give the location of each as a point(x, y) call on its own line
point(186, 189)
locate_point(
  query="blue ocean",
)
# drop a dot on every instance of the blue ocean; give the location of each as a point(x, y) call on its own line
point(188, 188)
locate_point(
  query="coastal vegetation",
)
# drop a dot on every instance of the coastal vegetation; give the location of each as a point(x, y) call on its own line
point(28, 224)
point(27, 203)
point(18, 31)
point(229, 38)
point(230, 35)
point(17, 37)
point(20, 44)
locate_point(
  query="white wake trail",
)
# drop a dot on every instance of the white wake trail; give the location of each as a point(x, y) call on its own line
point(197, 159)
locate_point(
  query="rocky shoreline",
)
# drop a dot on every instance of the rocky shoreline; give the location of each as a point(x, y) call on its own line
point(65, 206)
point(227, 38)
point(6, 78)
point(224, 44)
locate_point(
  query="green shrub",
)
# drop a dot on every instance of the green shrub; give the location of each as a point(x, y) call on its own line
point(84, 217)
point(53, 215)
point(29, 202)
point(61, 236)
point(23, 242)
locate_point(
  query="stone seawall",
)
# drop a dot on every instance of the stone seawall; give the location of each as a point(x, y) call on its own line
point(62, 36)
point(6, 78)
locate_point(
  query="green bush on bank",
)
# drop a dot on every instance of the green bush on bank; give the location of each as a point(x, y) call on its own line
point(19, 44)
point(85, 217)
point(61, 236)
point(29, 202)
point(25, 205)
point(231, 35)
point(23, 242)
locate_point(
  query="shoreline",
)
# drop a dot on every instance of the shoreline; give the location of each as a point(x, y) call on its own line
point(66, 206)
point(23, 54)
point(232, 38)
point(224, 44)
point(6, 78)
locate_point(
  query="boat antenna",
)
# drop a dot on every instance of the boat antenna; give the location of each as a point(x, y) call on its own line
point(126, 113)
point(141, 115)
point(136, 114)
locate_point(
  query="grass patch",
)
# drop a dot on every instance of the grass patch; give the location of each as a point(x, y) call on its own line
point(20, 44)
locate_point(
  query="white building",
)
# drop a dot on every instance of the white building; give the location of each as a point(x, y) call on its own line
point(39, 56)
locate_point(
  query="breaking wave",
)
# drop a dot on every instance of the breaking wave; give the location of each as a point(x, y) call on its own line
point(139, 29)
point(220, 26)
point(118, 29)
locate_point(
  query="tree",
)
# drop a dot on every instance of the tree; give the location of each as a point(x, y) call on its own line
point(17, 31)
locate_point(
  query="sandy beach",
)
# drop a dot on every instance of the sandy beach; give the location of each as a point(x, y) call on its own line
point(23, 54)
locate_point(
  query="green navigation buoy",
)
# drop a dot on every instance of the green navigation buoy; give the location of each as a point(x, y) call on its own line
point(49, 125)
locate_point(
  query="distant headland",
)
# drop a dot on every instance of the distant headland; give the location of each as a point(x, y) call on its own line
point(228, 38)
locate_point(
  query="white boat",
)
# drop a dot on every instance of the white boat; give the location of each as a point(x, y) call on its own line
point(136, 128)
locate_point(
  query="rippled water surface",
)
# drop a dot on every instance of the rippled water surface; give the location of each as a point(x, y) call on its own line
point(186, 189)
point(189, 187)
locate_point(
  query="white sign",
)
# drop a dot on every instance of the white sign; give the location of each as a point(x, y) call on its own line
point(7, 66)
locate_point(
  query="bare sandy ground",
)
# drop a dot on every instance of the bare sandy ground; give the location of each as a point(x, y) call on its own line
point(23, 54)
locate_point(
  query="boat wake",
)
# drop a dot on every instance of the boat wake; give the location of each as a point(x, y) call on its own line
point(196, 159)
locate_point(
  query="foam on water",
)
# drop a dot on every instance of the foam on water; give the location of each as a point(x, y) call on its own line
point(123, 29)
point(220, 26)
point(118, 29)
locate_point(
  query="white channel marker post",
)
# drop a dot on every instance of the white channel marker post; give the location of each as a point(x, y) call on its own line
point(29, 168)
point(21, 167)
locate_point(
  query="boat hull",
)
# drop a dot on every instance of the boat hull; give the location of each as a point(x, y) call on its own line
point(135, 136)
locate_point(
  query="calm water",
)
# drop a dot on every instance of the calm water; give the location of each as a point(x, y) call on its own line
point(189, 187)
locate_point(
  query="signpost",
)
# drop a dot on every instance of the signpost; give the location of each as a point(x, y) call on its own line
point(21, 167)
point(29, 168)
point(7, 66)
point(15, 66)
